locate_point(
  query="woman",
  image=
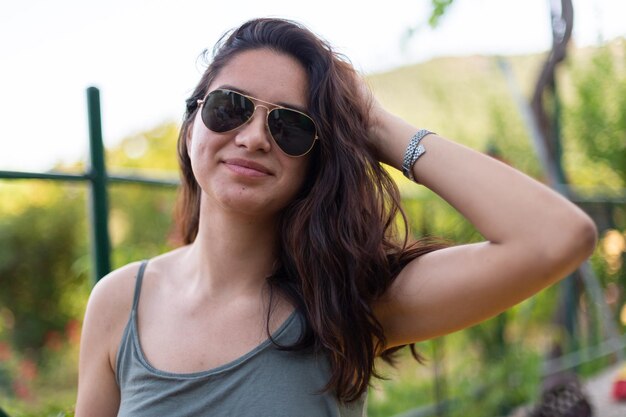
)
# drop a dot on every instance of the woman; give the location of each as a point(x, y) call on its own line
point(292, 280)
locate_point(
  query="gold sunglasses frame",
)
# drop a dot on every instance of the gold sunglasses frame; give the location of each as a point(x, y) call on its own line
point(264, 104)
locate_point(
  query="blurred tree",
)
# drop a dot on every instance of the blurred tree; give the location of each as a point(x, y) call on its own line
point(38, 272)
point(141, 215)
point(598, 116)
point(596, 122)
point(45, 262)
point(152, 151)
point(439, 9)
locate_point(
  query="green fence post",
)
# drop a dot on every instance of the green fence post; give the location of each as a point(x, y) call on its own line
point(98, 178)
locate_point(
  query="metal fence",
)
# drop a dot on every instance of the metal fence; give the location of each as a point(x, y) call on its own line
point(98, 179)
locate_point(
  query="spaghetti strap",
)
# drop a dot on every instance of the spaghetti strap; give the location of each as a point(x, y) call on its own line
point(138, 281)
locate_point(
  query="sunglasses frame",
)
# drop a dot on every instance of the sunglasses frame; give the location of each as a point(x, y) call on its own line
point(264, 104)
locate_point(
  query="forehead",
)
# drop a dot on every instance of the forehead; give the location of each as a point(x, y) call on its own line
point(267, 75)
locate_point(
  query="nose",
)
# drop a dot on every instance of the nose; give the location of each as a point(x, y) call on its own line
point(255, 135)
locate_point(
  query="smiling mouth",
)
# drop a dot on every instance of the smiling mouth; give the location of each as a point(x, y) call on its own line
point(246, 167)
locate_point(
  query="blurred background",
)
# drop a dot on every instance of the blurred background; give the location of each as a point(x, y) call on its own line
point(539, 84)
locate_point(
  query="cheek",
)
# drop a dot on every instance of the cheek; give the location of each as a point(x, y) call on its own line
point(299, 171)
point(201, 143)
point(193, 135)
point(199, 151)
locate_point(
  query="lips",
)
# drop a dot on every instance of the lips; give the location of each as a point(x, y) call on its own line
point(247, 166)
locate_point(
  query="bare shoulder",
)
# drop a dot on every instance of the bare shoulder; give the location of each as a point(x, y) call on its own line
point(113, 294)
point(111, 299)
point(107, 312)
point(109, 307)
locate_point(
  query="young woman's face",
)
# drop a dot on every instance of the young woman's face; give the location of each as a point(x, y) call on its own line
point(243, 170)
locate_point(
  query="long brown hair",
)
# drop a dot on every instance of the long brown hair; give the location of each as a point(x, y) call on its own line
point(339, 250)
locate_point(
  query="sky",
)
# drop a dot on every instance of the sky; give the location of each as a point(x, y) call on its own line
point(143, 54)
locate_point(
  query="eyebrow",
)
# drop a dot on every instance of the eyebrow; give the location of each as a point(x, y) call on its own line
point(280, 103)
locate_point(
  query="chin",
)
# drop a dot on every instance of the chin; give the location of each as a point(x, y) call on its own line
point(250, 204)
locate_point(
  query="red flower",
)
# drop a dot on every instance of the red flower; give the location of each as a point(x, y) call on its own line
point(53, 340)
point(5, 351)
point(28, 370)
point(72, 331)
point(21, 390)
point(619, 390)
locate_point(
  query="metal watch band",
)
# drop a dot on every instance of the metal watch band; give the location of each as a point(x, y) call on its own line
point(413, 151)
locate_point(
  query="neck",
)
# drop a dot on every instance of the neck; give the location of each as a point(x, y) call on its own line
point(232, 254)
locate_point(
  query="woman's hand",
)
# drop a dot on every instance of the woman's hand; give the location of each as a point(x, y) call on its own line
point(387, 133)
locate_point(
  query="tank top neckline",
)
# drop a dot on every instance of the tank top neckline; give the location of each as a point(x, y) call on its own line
point(204, 373)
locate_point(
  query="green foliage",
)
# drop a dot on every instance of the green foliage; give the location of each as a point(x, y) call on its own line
point(45, 267)
point(44, 284)
point(439, 9)
point(153, 152)
point(43, 387)
point(499, 386)
point(141, 216)
point(399, 394)
point(40, 245)
point(597, 119)
point(595, 125)
point(477, 386)
point(140, 222)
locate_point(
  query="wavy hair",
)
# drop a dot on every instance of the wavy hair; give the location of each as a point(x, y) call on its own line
point(339, 248)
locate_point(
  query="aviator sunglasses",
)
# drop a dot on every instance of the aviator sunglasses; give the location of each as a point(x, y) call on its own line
point(224, 110)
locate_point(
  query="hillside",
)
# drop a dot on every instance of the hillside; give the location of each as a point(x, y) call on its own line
point(467, 98)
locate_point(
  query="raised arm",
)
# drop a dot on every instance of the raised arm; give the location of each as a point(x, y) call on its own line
point(534, 237)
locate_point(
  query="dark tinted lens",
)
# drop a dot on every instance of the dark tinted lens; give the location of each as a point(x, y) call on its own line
point(226, 110)
point(294, 132)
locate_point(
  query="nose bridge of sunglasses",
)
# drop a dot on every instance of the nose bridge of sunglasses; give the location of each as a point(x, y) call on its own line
point(260, 120)
point(267, 109)
point(264, 117)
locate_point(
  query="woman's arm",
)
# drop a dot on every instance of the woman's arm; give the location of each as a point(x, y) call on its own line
point(107, 312)
point(534, 237)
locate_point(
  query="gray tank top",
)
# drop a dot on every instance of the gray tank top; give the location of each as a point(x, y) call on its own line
point(263, 382)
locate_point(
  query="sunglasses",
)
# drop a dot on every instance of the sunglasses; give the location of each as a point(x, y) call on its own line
point(294, 132)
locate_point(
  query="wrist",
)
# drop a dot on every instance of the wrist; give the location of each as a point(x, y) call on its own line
point(390, 135)
point(413, 152)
